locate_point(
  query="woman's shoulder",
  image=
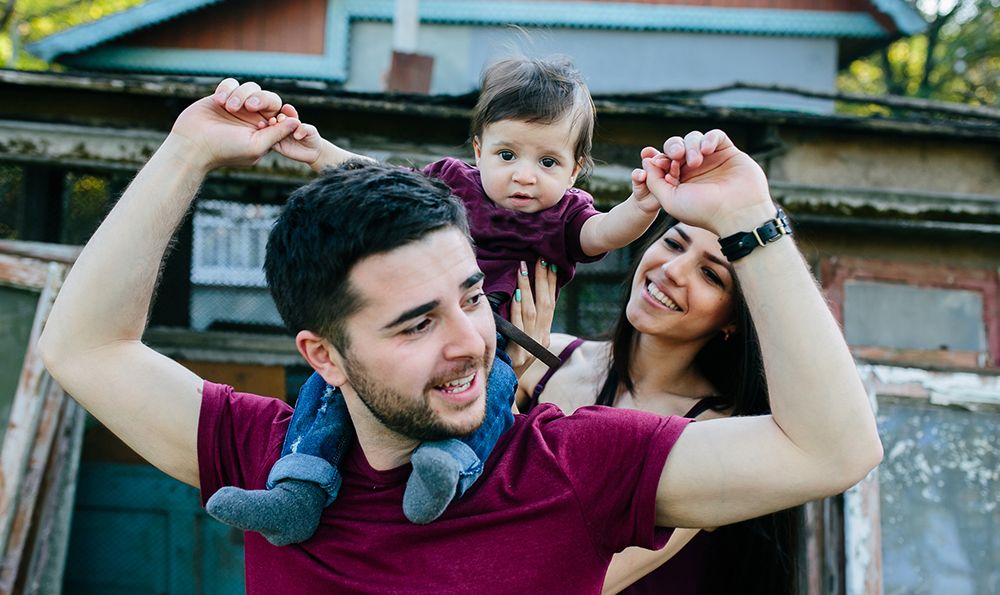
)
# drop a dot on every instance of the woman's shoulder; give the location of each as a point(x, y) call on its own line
point(574, 384)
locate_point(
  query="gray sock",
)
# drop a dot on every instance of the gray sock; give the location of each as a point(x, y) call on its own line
point(432, 485)
point(288, 513)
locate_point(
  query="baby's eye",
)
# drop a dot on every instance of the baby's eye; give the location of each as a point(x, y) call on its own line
point(548, 162)
point(506, 155)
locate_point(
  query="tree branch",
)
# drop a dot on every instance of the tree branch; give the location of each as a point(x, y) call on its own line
point(6, 12)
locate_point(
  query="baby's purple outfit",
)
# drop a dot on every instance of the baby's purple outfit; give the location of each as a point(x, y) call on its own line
point(504, 237)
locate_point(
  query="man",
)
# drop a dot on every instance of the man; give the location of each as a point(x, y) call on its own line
point(380, 283)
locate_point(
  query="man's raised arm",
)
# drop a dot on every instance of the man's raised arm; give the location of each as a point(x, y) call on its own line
point(92, 342)
point(821, 438)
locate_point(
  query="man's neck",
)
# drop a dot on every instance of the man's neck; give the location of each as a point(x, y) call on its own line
point(383, 448)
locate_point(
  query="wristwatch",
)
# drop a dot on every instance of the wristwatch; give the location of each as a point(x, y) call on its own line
point(741, 243)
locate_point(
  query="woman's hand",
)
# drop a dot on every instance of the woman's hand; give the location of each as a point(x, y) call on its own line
point(532, 313)
point(705, 181)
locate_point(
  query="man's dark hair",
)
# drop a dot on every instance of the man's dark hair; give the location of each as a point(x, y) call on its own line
point(356, 210)
point(537, 90)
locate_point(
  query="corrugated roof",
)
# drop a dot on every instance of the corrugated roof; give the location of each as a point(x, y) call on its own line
point(619, 15)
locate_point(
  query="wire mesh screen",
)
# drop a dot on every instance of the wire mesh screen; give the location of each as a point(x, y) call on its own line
point(10, 200)
point(137, 531)
point(87, 198)
point(227, 275)
point(590, 304)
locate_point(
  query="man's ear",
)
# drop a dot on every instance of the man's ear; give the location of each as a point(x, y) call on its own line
point(477, 149)
point(322, 356)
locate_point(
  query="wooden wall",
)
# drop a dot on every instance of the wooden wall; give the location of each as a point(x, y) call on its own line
point(291, 26)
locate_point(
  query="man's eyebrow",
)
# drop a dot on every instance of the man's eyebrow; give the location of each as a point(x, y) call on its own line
point(473, 279)
point(413, 313)
point(425, 308)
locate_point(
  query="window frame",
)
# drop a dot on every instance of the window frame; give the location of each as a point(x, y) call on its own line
point(836, 271)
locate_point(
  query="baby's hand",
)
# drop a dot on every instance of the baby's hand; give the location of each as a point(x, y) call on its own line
point(644, 199)
point(306, 146)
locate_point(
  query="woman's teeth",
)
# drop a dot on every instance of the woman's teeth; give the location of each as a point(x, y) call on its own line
point(457, 386)
point(661, 297)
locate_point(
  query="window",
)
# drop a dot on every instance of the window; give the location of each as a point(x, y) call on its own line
point(916, 313)
point(227, 274)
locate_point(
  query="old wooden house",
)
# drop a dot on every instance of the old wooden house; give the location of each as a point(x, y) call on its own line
point(898, 215)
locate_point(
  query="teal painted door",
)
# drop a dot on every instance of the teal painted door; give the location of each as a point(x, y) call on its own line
point(137, 531)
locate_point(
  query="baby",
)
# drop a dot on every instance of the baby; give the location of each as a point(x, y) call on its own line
point(531, 133)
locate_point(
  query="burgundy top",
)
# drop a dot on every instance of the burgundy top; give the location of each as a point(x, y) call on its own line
point(546, 516)
point(686, 572)
point(505, 237)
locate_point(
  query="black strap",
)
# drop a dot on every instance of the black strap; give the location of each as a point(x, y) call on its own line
point(741, 243)
point(512, 333)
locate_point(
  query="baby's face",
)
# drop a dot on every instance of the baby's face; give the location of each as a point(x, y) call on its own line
point(525, 166)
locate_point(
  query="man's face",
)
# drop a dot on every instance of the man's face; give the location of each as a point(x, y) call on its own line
point(422, 345)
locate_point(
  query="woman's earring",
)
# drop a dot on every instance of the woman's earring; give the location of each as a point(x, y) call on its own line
point(725, 337)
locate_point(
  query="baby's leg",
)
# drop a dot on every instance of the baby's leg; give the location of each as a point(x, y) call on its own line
point(303, 481)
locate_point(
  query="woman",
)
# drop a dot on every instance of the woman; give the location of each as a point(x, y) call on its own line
point(684, 345)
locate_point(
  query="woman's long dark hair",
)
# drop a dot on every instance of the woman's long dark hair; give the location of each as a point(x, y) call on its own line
point(755, 556)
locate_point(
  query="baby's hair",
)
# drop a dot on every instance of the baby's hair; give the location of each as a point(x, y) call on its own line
point(537, 90)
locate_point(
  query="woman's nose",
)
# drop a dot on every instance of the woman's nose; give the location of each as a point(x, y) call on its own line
point(678, 269)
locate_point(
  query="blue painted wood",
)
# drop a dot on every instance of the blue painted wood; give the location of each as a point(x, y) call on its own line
point(137, 531)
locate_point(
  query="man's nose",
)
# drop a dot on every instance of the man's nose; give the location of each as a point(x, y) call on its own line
point(464, 339)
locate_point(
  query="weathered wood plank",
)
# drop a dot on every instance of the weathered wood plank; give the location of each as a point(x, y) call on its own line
point(863, 537)
point(31, 487)
point(22, 272)
point(41, 250)
point(26, 410)
point(48, 558)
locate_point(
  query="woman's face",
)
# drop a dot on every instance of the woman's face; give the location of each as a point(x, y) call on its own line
point(683, 288)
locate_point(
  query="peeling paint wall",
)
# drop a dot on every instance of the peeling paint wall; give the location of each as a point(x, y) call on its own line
point(939, 481)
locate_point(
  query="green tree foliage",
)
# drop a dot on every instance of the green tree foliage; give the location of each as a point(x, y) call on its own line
point(957, 58)
point(25, 21)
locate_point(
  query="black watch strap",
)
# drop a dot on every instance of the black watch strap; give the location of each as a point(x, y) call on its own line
point(740, 244)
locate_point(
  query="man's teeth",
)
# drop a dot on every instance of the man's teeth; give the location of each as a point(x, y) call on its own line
point(457, 386)
point(661, 297)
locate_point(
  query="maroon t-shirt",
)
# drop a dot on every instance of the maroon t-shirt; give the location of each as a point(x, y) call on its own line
point(559, 495)
point(504, 237)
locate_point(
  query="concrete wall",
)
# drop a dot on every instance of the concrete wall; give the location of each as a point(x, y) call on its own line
point(613, 61)
point(883, 160)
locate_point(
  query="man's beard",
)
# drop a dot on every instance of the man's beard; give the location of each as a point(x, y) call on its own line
point(409, 416)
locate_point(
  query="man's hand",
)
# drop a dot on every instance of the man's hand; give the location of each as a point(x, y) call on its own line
point(231, 127)
point(705, 181)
